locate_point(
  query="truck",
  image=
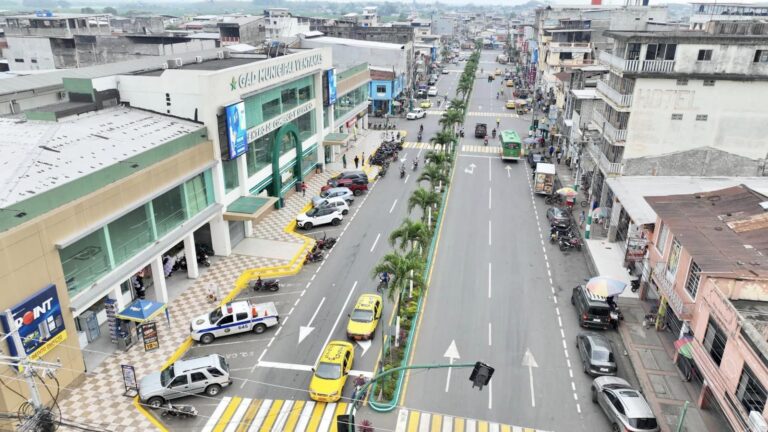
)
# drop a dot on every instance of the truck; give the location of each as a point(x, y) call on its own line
point(233, 318)
point(481, 130)
point(544, 179)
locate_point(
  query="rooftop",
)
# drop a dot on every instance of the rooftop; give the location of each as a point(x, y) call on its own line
point(356, 43)
point(38, 156)
point(210, 65)
point(58, 16)
point(725, 231)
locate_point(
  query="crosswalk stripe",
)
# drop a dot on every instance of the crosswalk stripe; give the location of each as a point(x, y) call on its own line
point(214, 419)
point(495, 427)
point(269, 420)
point(285, 411)
point(317, 415)
point(424, 423)
point(260, 415)
point(506, 428)
point(234, 422)
point(448, 424)
point(517, 429)
point(482, 426)
point(402, 420)
point(228, 413)
point(437, 421)
point(325, 423)
point(471, 425)
point(249, 415)
point(458, 424)
point(529, 430)
point(413, 422)
point(306, 415)
point(293, 419)
point(341, 407)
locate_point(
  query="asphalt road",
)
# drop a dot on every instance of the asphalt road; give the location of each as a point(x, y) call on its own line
point(276, 365)
point(498, 292)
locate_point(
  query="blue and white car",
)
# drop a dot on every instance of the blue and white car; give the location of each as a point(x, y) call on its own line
point(233, 318)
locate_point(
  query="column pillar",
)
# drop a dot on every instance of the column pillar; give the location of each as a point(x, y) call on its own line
point(191, 255)
point(117, 295)
point(158, 279)
point(320, 130)
point(614, 221)
point(249, 228)
point(242, 175)
point(222, 245)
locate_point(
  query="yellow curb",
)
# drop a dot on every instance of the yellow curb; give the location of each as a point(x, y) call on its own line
point(161, 427)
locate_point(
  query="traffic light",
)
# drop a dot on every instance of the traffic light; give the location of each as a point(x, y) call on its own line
point(345, 423)
point(481, 375)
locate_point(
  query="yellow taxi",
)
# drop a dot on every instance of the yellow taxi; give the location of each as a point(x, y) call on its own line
point(497, 72)
point(510, 83)
point(330, 373)
point(364, 317)
point(510, 104)
point(426, 104)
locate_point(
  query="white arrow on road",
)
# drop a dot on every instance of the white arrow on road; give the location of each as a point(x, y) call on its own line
point(530, 363)
point(471, 169)
point(453, 354)
point(509, 171)
point(304, 331)
point(364, 345)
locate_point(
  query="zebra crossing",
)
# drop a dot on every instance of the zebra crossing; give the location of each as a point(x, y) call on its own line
point(421, 145)
point(436, 112)
point(235, 414)
point(490, 114)
point(417, 421)
point(481, 149)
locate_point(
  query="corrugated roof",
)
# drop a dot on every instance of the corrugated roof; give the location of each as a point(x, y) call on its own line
point(703, 224)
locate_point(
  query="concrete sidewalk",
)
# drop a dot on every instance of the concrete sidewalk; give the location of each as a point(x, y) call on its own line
point(368, 140)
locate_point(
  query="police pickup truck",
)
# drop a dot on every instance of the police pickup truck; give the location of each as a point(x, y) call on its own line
point(233, 318)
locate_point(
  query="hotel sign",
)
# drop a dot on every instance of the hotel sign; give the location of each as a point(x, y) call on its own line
point(259, 131)
point(272, 72)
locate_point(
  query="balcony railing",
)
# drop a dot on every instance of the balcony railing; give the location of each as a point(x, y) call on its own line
point(666, 283)
point(61, 32)
point(611, 132)
point(610, 168)
point(624, 100)
point(653, 66)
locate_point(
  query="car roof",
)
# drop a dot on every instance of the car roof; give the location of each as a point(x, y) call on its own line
point(334, 351)
point(338, 189)
point(366, 301)
point(635, 405)
point(598, 342)
point(592, 296)
point(182, 366)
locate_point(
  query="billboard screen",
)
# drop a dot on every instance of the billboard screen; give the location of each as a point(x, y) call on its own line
point(331, 86)
point(237, 136)
point(39, 323)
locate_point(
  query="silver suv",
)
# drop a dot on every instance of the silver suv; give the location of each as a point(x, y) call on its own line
point(207, 375)
point(625, 407)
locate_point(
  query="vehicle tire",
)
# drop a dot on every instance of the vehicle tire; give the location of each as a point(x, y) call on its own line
point(563, 248)
point(212, 390)
point(274, 288)
point(307, 226)
point(336, 222)
point(584, 203)
point(357, 192)
point(586, 369)
point(259, 328)
point(594, 395)
point(156, 402)
point(615, 428)
point(573, 301)
point(345, 212)
point(207, 263)
point(207, 338)
point(578, 248)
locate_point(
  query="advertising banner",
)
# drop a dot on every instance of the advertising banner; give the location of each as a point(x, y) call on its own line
point(149, 335)
point(39, 323)
point(236, 132)
point(331, 86)
point(129, 379)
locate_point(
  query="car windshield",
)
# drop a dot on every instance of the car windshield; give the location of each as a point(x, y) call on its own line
point(166, 376)
point(215, 316)
point(324, 194)
point(328, 371)
point(643, 423)
point(361, 315)
point(602, 356)
point(312, 212)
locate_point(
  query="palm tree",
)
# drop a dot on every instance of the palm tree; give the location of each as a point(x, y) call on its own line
point(443, 138)
point(434, 175)
point(463, 88)
point(402, 270)
point(458, 104)
point(423, 199)
point(439, 159)
point(450, 118)
point(410, 234)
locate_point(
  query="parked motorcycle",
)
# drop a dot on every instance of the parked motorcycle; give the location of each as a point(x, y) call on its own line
point(569, 243)
point(556, 233)
point(635, 283)
point(266, 285)
point(313, 257)
point(326, 242)
point(180, 411)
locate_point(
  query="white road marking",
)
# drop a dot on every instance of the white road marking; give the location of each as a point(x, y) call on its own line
point(406, 178)
point(490, 343)
point(375, 241)
point(490, 169)
point(270, 342)
point(489, 198)
point(336, 323)
point(313, 276)
point(562, 333)
point(308, 285)
point(393, 206)
point(489, 280)
point(490, 395)
point(296, 303)
point(560, 321)
point(489, 232)
point(304, 331)
point(288, 366)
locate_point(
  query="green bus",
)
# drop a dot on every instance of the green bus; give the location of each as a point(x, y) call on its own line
point(511, 146)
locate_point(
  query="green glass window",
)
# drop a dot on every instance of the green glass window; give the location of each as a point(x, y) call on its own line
point(85, 261)
point(289, 98)
point(270, 109)
point(198, 197)
point(306, 125)
point(305, 94)
point(345, 103)
point(325, 116)
point(169, 211)
point(260, 154)
point(231, 181)
point(309, 160)
point(130, 234)
point(287, 143)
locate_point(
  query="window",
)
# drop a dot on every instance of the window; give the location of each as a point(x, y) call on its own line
point(199, 193)
point(750, 392)
point(677, 116)
point(130, 234)
point(709, 83)
point(682, 82)
point(84, 261)
point(305, 94)
point(701, 117)
point(289, 99)
point(231, 181)
point(179, 381)
point(214, 372)
point(633, 51)
point(197, 377)
point(674, 257)
point(19, 60)
point(33, 60)
point(660, 51)
point(714, 341)
point(761, 56)
point(259, 153)
point(381, 89)
point(269, 109)
point(226, 320)
point(694, 277)
point(241, 316)
point(704, 55)
point(168, 209)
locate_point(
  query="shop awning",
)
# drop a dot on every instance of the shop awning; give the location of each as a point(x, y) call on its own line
point(335, 139)
point(141, 310)
point(248, 208)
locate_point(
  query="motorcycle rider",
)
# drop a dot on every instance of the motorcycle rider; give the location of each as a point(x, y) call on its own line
point(493, 133)
point(402, 170)
point(485, 140)
point(415, 163)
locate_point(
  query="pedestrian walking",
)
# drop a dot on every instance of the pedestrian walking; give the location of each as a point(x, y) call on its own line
point(558, 155)
point(362, 159)
point(344, 160)
point(582, 218)
point(357, 162)
point(551, 151)
point(303, 189)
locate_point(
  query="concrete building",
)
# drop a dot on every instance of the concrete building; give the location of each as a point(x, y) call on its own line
point(348, 30)
point(387, 90)
point(369, 17)
point(708, 259)
point(281, 24)
point(704, 12)
point(245, 30)
point(446, 24)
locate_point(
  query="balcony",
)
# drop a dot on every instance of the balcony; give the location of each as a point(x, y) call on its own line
point(648, 66)
point(57, 32)
point(622, 100)
point(577, 47)
point(666, 284)
point(610, 168)
point(611, 132)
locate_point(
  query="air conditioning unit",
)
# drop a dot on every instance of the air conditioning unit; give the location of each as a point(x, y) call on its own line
point(220, 55)
point(757, 423)
point(164, 66)
point(198, 59)
point(178, 63)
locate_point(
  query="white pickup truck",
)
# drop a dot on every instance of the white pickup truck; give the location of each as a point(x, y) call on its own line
point(233, 318)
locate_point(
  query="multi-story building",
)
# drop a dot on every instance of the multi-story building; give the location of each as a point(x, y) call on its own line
point(243, 30)
point(348, 30)
point(369, 17)
point(280, 23)
point(708, 258)
point(673, 103)
point(704, 12)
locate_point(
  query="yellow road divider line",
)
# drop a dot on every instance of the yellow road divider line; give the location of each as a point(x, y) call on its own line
point(293, 419)
point(249, 415)
point(317, 415)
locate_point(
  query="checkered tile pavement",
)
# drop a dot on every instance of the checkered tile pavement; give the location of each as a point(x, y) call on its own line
point(97, 401)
